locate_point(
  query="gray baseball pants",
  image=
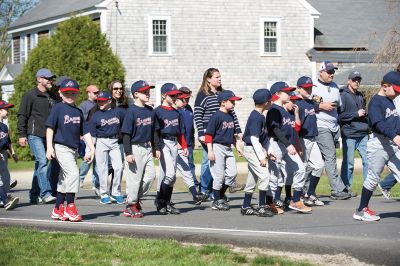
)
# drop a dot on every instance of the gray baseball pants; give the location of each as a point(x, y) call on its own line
point(168, 162)
point(68, 181)
point(256, 173)
point(141, 173)
point(312, 159)
point(109, 149)
point(4, 173)
point(381, 151)
point(223, 169)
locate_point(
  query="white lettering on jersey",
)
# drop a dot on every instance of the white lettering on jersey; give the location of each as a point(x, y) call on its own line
point(391, 112)
point(73, 120)
point(172, 123)
point(287, 121)
point(228, 125)
point(143, 122)
point(3, 135)
point(309, 112)
point(111, 121)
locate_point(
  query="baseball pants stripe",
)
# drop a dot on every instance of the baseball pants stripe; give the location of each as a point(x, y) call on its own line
point(223, 169)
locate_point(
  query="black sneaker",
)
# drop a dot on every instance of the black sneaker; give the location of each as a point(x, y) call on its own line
point(249, 211)
point(172, 210)
point(199, 198)
point(279, 203)
point(340, 196)
point(286, 202)
point(13, 183)
point(265, 211)
point(220, 205)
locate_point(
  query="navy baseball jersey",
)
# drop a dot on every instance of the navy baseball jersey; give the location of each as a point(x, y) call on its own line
point(383, 117)
point(106, 124)
point(221, 128)
point(187, 119)
point(277, 116)
point(167, 121)
point(256, 126)
point(4, 137)
point(67, 122)
point(308, 110)
point(138, 123)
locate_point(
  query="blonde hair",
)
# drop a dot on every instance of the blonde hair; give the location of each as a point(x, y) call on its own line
point(205, 87)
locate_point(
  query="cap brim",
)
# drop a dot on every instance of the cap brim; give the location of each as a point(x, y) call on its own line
point(100, 99)
point(274, 97)
point(295, 97)
point(173, 92)
point(69, 89)
point(235, 98)
point(184, 96)
point(288, 89)
point(145, 88)
point(6, 106)
point(307, 85)
point(396, 88)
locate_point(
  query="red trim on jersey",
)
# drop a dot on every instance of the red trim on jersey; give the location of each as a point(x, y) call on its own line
point(182, 141)
point(169, 108)
point(297, 127)
point(208, 139)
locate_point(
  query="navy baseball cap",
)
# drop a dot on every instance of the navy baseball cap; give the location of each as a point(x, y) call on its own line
point(295, 96)
point(262, 96)
point(185, 93)
point(327, 66)
point(280, 86)
point(103, 96)
point(69, 85)
point(393, 77)
point(5, 105)
point(169, 89)
point(59, 80)
point(140, 86)
point(227, 95)
point(354, 75)
point(305, 82)
point(44, 73)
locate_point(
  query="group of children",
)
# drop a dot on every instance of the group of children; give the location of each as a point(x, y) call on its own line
point(280, 148)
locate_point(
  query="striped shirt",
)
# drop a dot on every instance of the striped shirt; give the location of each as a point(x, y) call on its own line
point(204, 107)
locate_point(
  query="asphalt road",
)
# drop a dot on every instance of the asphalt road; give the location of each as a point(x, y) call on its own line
point(328, 230)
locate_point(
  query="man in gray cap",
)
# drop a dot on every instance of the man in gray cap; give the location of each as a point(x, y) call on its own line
point(33, 111)
point(354, 128)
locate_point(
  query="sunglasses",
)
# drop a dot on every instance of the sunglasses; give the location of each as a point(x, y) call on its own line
point(356, 80)
point(96, 92)
point(118, 88)
point(330, 72)
point(47, 78)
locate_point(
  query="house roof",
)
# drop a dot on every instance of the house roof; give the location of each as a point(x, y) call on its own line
point(354, 24)
point(14, 69)
point(48, 9)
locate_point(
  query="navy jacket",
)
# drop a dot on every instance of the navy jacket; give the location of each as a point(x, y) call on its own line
point(352, 125)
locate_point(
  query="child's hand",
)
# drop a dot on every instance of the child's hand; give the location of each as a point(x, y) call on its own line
point(185, 152)
point(272, 156)
point(157, 154)
point(239, 151)
point(291, 150)
point(263, 163)
point(89, 157)
point(130, 158)
point(296, 109)
point(50, 155)
point(211, 156)
point(15, 157)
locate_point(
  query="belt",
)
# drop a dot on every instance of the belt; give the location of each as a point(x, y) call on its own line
point(223, 144)
point(172, 138)
point(143, 144)
point(110, 137)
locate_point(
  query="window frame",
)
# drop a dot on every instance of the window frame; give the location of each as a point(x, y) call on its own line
point(150, 35)
point(278, 36)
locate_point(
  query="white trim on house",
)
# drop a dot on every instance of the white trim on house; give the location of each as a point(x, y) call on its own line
point(310, 8)
point(104, 3)
point(103, 21)
point(278, 36)
point(150, 35)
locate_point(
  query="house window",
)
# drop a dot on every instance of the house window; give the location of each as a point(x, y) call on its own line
point(43, 35)
point(270, 37)
point(22, 49)
point(159, 36)
point(16, 50)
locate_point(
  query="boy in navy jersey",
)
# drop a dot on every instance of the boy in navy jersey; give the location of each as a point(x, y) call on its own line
point(282, 144)
point(168, 132)
point(64, 129)
point(105, 126)
point(312, 157)
point(137, 131)
point(5, 146)
point(256, 142)
point(219, 136)
point(384, 143)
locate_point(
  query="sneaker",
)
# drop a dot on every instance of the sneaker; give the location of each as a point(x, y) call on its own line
point(299, 206)
point(13, 183)
point(366, 215)
point(385, 192)
point(161, 206)
point(11, 203)
point(265, 211)
point(37, 200)
point(315, 201)
point(105, 199)
point(274, 209)
point(96, 191)
point(352, 193)
point(286, 202)
point(340, 196)
point(220, 205)
point(249, 211)
point(236, 187)
point(71, 213)
point(49, 199)
point(133, 211)
point(117, 199)
point(58, 214)
point(199, 198)
point(279, 203)
point(307, 201)
point(172, 210)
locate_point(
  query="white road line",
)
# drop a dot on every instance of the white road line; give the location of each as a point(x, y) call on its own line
point(200, 229)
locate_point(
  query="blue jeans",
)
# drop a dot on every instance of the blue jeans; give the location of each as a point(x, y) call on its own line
point(84, 169)
point(350, 145)
point(192, 166)
point(205, 177)
point(40, 183)
point(388, 182)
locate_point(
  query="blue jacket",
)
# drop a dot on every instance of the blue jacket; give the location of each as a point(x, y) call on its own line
point(352, 125)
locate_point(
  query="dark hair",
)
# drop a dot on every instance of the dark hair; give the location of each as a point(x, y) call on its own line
point(124, 99)
point(204, 84)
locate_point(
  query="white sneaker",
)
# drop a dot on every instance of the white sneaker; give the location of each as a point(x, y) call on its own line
point(366, 215)
point(385, 192)
point(11, 203)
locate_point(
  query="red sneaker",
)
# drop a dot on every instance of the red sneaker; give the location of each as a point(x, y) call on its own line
point(71, 213)
point(133, 211)
point(58, 214)
point(367, 209)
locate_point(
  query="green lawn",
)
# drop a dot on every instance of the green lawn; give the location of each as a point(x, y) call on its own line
point(32, 247)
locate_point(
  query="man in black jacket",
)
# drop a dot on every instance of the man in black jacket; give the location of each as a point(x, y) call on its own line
point(354, 128)
point(33, 111)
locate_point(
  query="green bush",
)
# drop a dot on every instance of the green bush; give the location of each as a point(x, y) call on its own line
point(77, 49)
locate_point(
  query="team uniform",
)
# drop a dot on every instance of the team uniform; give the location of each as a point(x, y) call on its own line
point(105, 127)
point(137, 130)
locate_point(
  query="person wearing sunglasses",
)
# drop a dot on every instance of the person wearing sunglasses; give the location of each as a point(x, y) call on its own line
point(354, 128)
point(328, 127)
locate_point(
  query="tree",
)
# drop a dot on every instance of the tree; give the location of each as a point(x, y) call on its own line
point(9, 11)
point(78, 50)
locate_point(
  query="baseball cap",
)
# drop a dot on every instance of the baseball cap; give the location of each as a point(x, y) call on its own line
point(262, 96)
point(295, 96)
point(186, 92)
point(92, 88)
point(59, 80)
point(140, 85)
point(169, 89)
point(327, 66)
point(305, 82)
point(354, 74)
point(69, 85)
point(44, 73)
point(5, 105)
point(279, 86)
point(393, 77)
point(226, 95)
point(103, 96)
